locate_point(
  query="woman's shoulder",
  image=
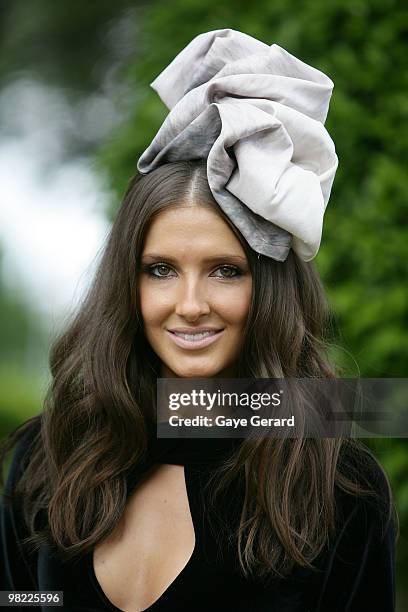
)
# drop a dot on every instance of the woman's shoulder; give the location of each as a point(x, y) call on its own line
point(369, 500)
point(17, 563)
point(358, 564)
point(20, 443)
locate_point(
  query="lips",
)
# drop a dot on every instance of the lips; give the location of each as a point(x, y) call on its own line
point(194, 330)
point(196, 340)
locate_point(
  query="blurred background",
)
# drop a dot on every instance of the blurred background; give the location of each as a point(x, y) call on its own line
point(76, 111)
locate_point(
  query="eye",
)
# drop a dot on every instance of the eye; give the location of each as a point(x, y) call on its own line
point(160, 268)
point(230, 271)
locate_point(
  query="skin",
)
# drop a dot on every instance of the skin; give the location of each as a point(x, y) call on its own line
point(186, 290)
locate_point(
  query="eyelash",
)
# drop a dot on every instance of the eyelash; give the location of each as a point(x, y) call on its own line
point(149, 270)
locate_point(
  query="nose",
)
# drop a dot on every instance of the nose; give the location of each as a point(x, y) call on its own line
point(192, 302)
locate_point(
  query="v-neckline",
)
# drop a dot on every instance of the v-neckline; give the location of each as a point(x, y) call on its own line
point(180, 575)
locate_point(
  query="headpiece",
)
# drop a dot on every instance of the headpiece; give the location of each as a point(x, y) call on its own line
point(257, 114)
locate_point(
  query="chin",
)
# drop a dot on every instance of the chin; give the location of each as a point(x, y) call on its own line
point(196, 371)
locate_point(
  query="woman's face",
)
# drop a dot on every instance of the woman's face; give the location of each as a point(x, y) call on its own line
point(195, 279)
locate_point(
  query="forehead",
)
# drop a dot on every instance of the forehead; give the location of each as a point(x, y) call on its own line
point(191, 229)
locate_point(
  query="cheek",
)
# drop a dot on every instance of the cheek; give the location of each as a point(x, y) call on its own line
point(154, 304)
point(234, 305)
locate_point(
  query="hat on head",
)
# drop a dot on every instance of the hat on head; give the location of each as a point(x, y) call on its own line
point(257, 114)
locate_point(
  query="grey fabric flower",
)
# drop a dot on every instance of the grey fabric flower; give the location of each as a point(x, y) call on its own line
point(257, 114)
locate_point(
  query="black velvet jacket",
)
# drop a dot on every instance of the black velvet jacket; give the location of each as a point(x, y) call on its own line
point(356, 573)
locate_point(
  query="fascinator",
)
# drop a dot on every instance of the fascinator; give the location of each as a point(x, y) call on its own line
point(256, 113)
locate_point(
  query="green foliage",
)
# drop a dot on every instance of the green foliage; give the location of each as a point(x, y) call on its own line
point(22, 393)
point(59, 41)
point(22, 343)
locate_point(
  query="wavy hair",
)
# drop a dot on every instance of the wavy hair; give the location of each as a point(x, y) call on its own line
point(93, 425)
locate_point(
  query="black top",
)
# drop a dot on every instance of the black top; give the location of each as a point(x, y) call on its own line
point(356, 573)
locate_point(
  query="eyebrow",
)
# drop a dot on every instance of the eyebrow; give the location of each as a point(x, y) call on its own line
point(236, 258)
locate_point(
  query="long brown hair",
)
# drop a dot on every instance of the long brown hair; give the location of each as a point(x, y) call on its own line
point(93, 427)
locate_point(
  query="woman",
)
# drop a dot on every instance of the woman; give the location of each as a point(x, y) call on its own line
point(75, 461)
point(98, 508)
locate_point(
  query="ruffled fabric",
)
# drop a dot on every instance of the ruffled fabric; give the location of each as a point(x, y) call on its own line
point(257, 114)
